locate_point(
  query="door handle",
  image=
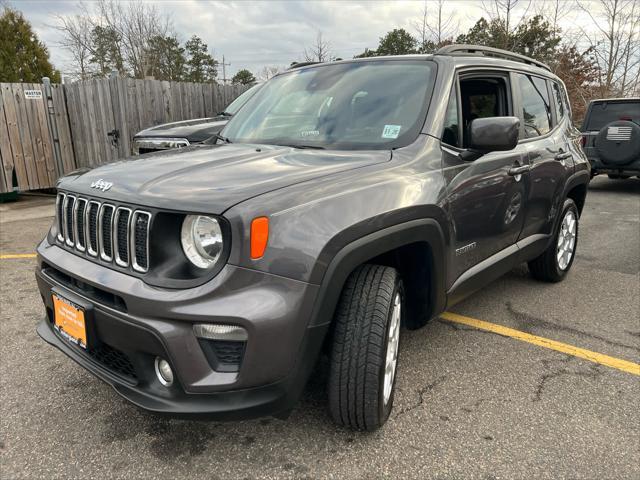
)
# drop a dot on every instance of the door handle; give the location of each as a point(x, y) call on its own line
point(513, 171)
point(562, 156)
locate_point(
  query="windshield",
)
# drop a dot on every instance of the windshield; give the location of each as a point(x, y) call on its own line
point(603, 113)
point(234, 106)
point(358, 105)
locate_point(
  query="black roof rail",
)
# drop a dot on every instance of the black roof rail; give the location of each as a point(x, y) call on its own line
point(479, 50)
point(301, 64)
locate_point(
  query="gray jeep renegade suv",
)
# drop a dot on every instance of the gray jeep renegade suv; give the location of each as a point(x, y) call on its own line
point(345, 200)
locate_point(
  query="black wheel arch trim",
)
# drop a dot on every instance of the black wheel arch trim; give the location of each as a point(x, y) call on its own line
point(427, 230)
point(580, 177)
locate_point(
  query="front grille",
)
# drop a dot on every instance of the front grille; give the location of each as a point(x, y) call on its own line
point(105, 226)
point(69, 203)
point(92, 226)
point(115, 234)
point(60, 215)
point(79, 230)
point(113, 359)
point(122, 236)
point(140, 244)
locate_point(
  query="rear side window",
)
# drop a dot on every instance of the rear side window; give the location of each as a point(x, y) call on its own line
point(558, 102)
point(451, 132)
point(603, 113)
point(536, 107)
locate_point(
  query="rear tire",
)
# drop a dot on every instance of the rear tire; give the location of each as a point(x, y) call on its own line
point(365, 348)
point(556, 260)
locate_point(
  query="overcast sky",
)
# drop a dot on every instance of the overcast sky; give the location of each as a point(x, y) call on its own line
point(253, 34)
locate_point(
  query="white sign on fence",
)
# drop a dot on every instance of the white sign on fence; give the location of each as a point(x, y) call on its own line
point(33, 94)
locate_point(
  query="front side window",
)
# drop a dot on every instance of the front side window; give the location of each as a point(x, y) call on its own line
point(451, 131)
point(482, 97)
point(536, 108)
point(359, 105)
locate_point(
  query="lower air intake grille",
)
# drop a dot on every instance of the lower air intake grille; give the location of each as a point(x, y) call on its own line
point(223, 355)
point(114, 360)
point(228, 352)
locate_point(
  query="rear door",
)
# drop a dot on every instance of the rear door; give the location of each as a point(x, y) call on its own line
point(543, 136)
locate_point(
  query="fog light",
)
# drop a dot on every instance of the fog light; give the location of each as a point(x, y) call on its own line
point(164, 372)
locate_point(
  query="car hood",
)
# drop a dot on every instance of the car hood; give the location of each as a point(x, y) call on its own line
point(211, 179)
point(195, 131)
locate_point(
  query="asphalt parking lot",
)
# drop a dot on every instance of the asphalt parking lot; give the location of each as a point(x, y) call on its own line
point(470, 403)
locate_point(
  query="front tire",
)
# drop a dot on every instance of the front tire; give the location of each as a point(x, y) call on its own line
point(556, 260)
point(364, 353)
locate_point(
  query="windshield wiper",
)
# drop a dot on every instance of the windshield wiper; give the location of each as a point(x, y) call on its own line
point(312, 147)
point(225, 114)
point(217, 136)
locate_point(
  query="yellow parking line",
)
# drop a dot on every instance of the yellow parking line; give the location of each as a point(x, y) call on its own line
point(595, 357)
point(18, 255)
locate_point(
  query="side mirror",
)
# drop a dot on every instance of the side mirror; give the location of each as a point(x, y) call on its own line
point(491, 134)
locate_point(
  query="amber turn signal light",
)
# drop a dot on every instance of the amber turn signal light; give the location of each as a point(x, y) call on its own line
point(259, 236)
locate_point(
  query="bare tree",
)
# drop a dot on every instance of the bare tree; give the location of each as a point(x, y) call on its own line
point(134, 24)
point(554, 11)
point(137, 23)
point(269, 71)
point(615, 41)
point(436, 31)
point(422, 26)
point(505, 11)
point(76, 31)
point(320, 51)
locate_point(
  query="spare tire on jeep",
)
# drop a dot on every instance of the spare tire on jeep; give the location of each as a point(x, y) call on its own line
point(618, 143)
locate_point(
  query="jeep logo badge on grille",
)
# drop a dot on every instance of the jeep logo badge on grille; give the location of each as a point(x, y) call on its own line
point(101, 185)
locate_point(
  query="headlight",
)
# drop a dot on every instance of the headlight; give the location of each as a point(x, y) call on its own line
point(201, 240)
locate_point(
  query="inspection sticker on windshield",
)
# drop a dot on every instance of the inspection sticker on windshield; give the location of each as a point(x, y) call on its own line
point(391, 131)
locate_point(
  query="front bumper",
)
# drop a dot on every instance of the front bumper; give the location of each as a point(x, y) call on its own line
point(133, 323)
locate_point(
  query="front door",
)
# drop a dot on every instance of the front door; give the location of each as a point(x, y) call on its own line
point(485, 198)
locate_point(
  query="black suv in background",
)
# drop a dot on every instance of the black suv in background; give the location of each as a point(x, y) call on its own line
point(342, 201)
point(187, 132)
point(611, 137)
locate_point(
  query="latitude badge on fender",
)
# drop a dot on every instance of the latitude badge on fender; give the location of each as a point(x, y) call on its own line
point(101, 185)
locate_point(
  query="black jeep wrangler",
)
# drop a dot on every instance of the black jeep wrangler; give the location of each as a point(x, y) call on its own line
point(611, 137)
point(344, 200)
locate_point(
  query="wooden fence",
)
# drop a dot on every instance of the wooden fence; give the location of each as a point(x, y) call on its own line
point(49, 130)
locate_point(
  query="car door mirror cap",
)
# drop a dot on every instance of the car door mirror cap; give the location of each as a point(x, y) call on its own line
point(493, 134)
